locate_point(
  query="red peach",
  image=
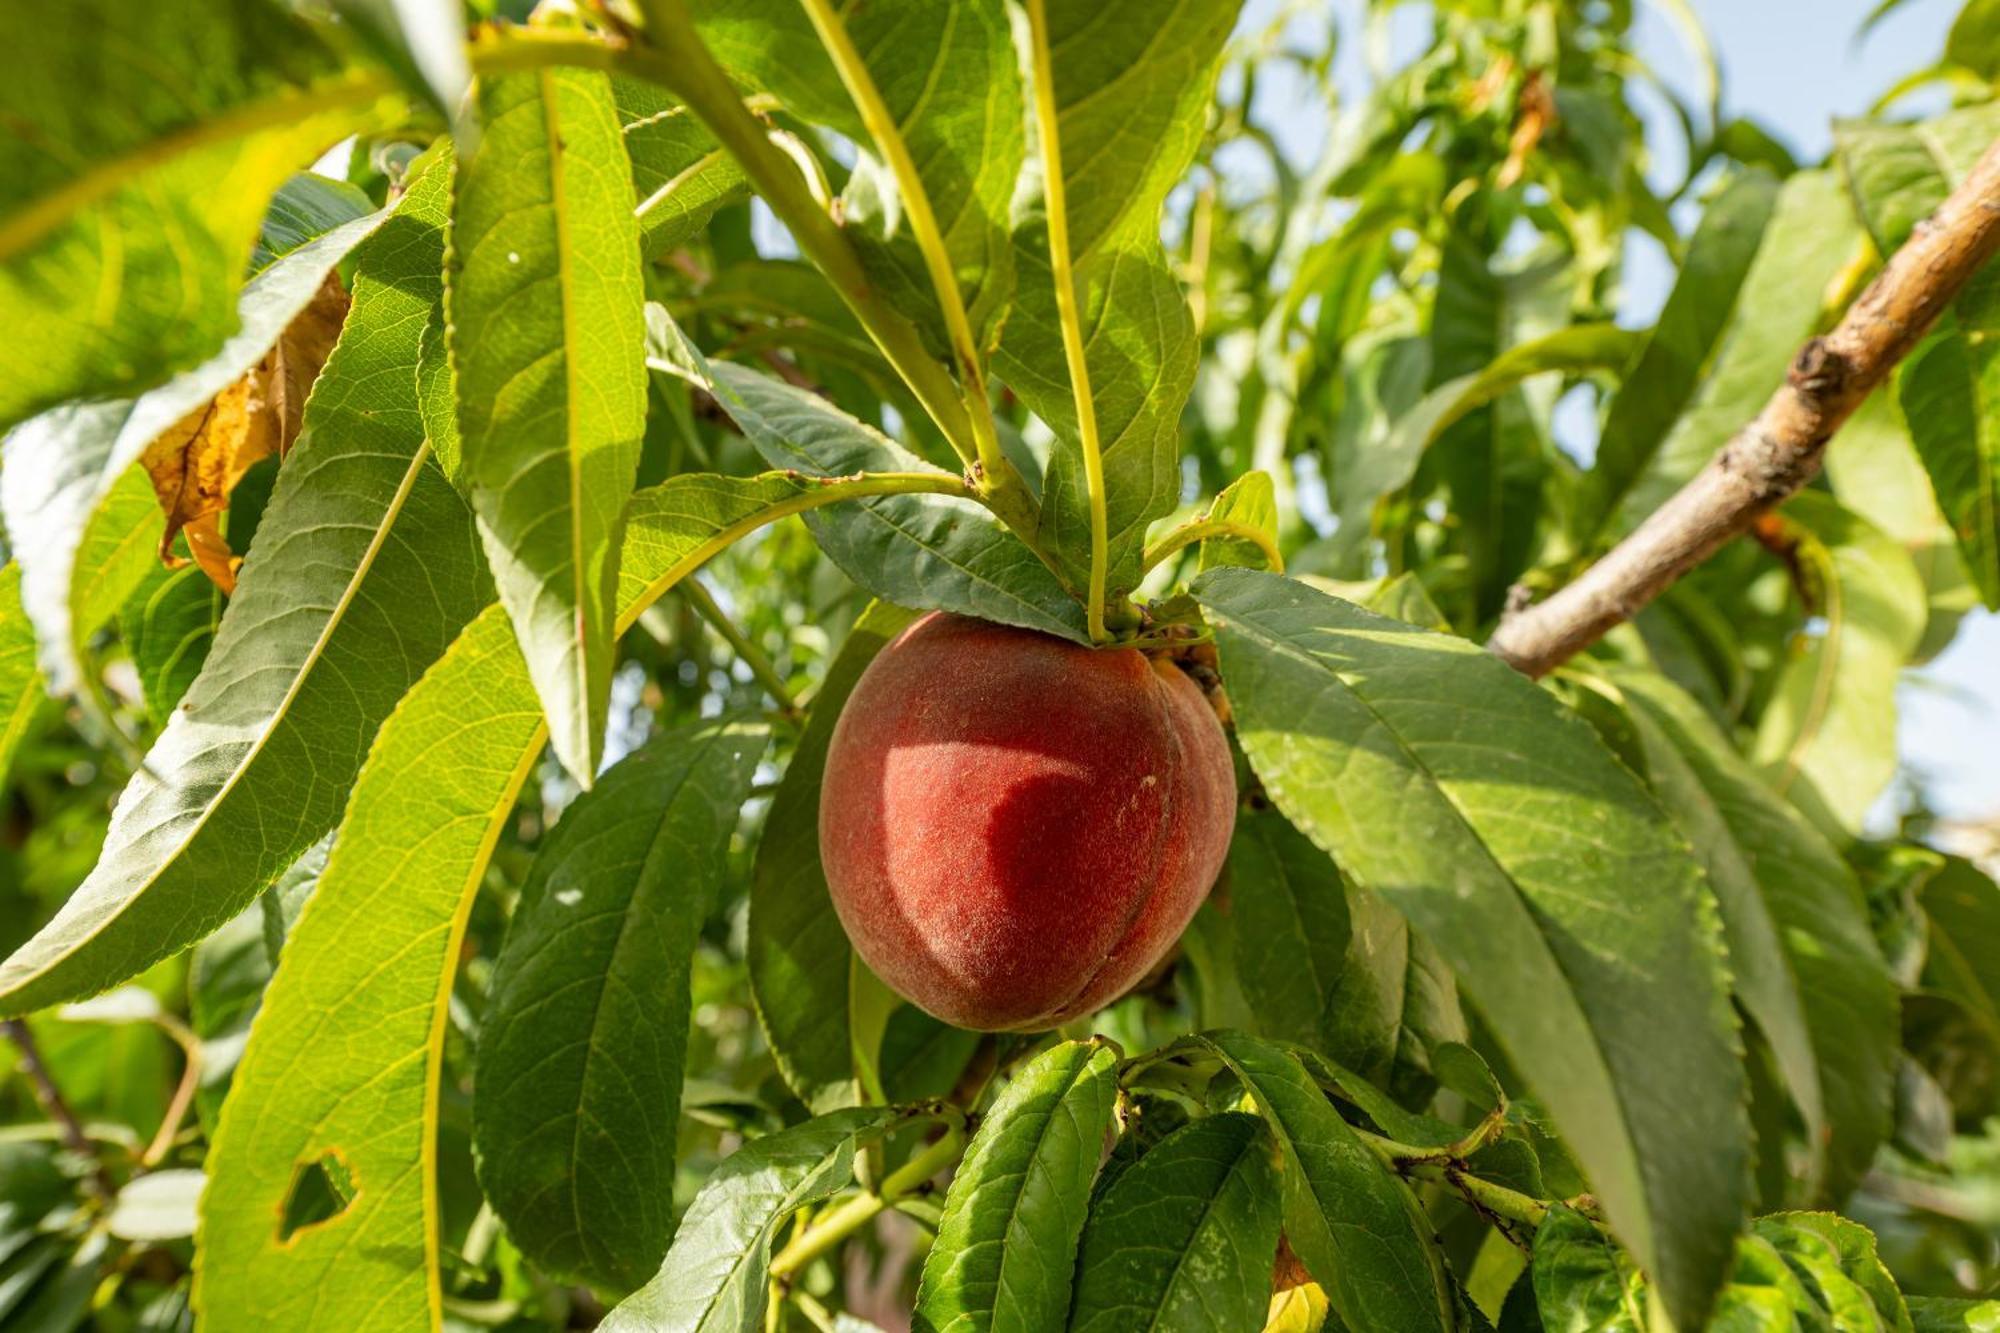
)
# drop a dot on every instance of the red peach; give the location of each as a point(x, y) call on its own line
point(1016, 829)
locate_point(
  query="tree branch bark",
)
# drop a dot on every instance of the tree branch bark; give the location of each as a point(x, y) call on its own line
point(1778, 452)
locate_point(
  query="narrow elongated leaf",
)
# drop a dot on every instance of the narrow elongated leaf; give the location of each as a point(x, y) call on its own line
point(1360, 1231)
point(1765, 860)
point(801, 964)
point(1184, 1239)
point(1951, 398)
point(1811, 235)
point(20, 683)
point(1827, 738)
point(168, 626)
point(1668, 374)
point(422, 40)
point(713, 1279)
point(366, 976)
point(950, 81)
point(1963, 905)
point(1898, 173)
point(1324, 965)
point(139, 169)
point(576, 1110)
point(363, 568)
point(1131, 82)
point(1252, 501)
point(679, 171)
point(80, 512)
point(1007, 1244)
point(920, 551)
point(1390, 465)
point(548, 343)
point(1547, 877)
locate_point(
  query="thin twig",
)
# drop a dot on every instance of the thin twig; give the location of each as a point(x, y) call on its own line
point(56, 1107)
point(1780, 450)
point(745, 647)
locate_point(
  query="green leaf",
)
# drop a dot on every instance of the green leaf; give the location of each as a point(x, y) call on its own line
point(81, 513)
point(1360, 1231)
point(1249, 500)
point(1836, 1263)
point(366, 977)
point(801, 964)
point(168, 626)
point(1897, 174)
point(363, 568)
point(1963, 907)
point(305, 208)
point(1669, 373)
point(922, 551)
point(1873, 469)
point(950, 80)
point(548, 345)
point(20, 683)
point(1574, 350)
point(126, 220)
point(681, 174)
point(228, 971)
point(1323, 965)
point(1810, 238)
point(1004, 1254)
point(1942, 1314)
point(1950, 395)
point(1569, 908)
point(1185, 1238)
point(1827, 737)
point(1131, 83)
point(576, 1111)
point(713, 1279)
point(1583, 1283)
point(1824, 999)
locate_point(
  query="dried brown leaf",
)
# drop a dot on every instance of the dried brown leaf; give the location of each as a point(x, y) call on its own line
point(196, 464)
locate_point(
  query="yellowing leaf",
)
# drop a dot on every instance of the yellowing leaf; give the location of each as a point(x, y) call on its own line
point(196, 464)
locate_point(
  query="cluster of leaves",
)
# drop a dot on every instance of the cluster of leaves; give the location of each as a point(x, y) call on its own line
point(1516, 1003)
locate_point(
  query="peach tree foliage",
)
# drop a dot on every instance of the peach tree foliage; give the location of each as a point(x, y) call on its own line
point(429, 929)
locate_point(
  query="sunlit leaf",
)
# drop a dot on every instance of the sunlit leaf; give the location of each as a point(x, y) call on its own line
point(77, 509)
point(713, 1279)
point(548, 346)
point(363, 569)
point(410, 854)
point(1827, 738)
point(1548, 878)
point(128, 212)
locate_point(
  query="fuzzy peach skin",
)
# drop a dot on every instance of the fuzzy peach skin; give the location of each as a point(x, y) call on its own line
point(1016, 829)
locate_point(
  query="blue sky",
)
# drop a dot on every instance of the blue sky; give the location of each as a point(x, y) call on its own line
point(1795, 66)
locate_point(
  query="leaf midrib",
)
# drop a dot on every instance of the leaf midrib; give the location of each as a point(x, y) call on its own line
point(1451, 802)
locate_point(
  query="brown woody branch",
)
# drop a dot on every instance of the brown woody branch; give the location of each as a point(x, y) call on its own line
point(1778, 452)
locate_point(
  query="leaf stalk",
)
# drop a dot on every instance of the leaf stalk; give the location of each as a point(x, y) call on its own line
point(1067, 313)
point(1202, 529)
point(836, 1224)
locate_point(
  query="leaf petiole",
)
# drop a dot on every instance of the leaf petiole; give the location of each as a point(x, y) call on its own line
point(842, 1220)
point(1202, 529)
point(1046, 128)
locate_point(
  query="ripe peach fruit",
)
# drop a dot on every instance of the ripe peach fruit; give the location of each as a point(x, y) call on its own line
point(1016, 829)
